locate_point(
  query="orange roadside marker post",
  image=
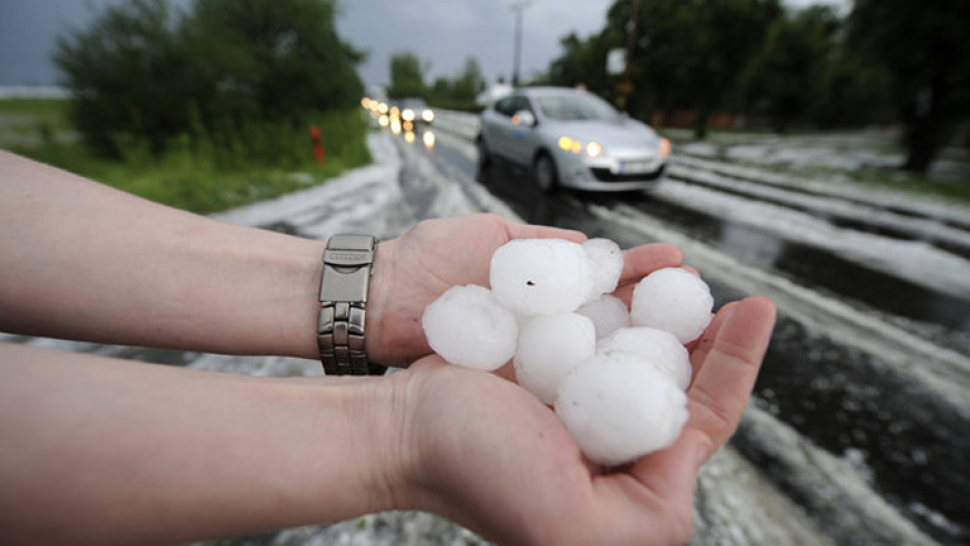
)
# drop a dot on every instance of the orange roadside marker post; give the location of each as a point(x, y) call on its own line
point(315, 137)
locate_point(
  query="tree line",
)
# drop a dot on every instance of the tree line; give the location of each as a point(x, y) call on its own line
point(225, 70)
point(886, 61)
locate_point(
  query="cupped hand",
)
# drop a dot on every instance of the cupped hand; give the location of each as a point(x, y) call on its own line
point(411, 271)
point(487, 454)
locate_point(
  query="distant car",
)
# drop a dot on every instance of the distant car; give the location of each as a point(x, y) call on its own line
point(572, 138)
point(416, 110)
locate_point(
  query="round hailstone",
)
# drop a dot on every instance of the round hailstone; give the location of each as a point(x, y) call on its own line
point(660, 348)
point(540, 276)
point(608, 314)
point(467, 326)
point(619, 408)
point(673, 300)
point(550, 347)
point(606, 260)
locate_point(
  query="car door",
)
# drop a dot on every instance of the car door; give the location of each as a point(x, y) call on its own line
point(524, 139)
point(496, 127)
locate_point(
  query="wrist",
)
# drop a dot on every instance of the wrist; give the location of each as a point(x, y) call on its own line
point(382, 330)
point(375, 415)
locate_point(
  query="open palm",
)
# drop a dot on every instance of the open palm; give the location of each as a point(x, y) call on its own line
point(503, 464)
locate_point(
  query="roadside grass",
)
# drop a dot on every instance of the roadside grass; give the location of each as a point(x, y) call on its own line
point(201, 172)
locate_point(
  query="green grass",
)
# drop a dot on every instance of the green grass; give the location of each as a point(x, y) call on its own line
point(200, 173)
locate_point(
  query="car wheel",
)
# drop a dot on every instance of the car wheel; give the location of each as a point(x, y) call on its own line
point(544, 173)
point(484, 155)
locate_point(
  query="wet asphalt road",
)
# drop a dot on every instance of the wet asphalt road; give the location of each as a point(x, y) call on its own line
point(907, 441)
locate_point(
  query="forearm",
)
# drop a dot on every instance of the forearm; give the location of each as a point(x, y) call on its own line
point(101, 451)
point(83, 261)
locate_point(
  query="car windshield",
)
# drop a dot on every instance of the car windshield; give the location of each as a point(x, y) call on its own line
point(413, 103)
point(575, 107)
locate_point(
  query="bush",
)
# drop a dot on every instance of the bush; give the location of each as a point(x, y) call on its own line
point(147, 72)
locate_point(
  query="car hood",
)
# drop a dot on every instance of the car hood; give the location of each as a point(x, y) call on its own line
point(621, 133)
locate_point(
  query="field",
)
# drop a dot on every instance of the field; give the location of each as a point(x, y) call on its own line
point(199, 173)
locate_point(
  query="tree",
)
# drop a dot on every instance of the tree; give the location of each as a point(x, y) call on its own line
point(924, 48)
point(689, 55)
point(407, 76)
point(470, 82)
point(149, 71)
point(786, 80)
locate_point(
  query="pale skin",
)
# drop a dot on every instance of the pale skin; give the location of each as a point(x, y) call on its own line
point(103, 451)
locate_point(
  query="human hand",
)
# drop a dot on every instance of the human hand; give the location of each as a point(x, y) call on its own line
point(410, 272)
point(488, 455)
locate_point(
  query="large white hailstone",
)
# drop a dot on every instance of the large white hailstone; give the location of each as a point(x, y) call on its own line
point(551, 346)
point(606, 260)
point(673, 300)
point(467, 326)
point(608, 314)
point(660, 348)
point(540, 276)
point(619, 408)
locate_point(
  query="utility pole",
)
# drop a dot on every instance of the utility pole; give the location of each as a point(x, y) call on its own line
point(518, 8)
point(626, 87)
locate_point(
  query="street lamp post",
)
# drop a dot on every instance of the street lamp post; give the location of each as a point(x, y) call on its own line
point(518, 8)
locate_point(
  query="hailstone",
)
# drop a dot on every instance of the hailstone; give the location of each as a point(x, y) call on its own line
point(467, 326)
point(606, 261)
point(619, 408)
point(659, 348)
point(608, 314)
point(541, 276)
point(549, 348)
point(673, 300)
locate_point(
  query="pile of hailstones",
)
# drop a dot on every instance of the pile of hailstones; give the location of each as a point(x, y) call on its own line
point(615, 377)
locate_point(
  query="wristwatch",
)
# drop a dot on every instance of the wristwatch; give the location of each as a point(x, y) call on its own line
point(348, 262)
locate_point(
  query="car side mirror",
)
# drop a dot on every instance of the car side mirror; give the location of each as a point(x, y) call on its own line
point(524, 117)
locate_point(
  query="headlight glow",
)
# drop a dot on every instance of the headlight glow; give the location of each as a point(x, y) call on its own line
point(593, 149)
point(427, 115)
point(407, 114)
point(566, 143)
point(664, 147)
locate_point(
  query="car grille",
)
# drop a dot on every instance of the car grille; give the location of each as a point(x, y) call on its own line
point(604, 175)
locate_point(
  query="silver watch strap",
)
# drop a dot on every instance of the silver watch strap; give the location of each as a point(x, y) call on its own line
point(347, 266)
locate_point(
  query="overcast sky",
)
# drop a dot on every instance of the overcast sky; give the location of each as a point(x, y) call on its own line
point(443, 33)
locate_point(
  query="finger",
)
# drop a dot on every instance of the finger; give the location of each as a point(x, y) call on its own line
point(700, 347)
point(644, 259)
point(728, 369)
point(670, 472)
point(530, 231)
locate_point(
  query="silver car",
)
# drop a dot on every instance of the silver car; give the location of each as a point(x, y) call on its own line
point(572, 138)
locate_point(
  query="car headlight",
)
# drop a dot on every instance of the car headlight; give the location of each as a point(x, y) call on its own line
point(569, 144)
point(407, 114)
point(664, 147)
point(427, 115)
